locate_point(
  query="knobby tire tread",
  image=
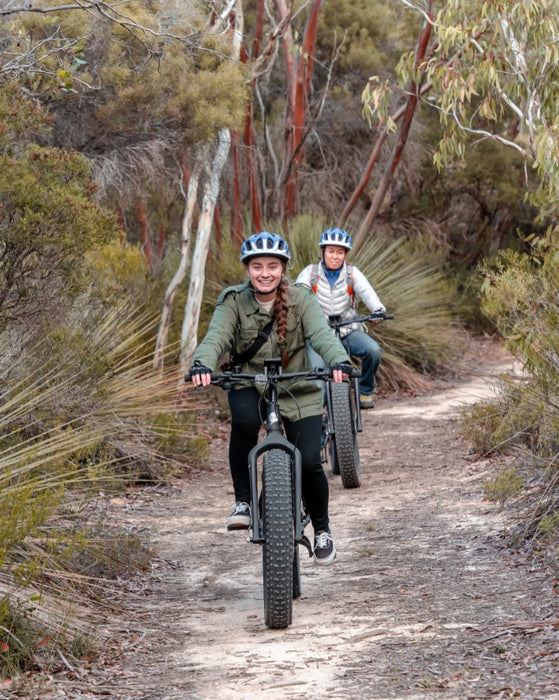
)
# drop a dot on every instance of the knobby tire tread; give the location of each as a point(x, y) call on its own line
point(345, 437)
point(279, 544)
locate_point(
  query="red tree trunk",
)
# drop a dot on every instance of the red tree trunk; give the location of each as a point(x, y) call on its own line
point(296, 116)
point(403, 134)
point(145, 233)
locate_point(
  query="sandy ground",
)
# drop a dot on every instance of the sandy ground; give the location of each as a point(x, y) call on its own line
point(423, 601)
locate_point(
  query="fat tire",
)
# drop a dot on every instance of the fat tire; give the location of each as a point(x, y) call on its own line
point(345, 436)
point(279, 539)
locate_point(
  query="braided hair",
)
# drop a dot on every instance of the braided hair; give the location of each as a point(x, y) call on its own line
point(279, 312)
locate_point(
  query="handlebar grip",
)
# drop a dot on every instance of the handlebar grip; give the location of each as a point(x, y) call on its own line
point(388, 316)
point(188, 376)
point(355, 373)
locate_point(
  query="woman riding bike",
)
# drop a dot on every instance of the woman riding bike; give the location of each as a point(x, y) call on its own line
point(285, 317)
point(337, 285)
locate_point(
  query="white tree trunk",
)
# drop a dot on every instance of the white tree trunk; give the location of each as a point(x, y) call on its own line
point(178, 277)
point(189, 338)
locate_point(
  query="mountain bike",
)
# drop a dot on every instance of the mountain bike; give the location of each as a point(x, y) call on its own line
point(342, 418)
point(278, 514)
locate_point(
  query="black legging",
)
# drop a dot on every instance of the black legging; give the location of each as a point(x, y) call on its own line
point(246, 405)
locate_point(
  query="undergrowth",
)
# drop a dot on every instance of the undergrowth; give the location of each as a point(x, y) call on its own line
point(520, 296)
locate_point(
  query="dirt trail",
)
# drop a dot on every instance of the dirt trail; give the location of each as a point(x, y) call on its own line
point(423, 601)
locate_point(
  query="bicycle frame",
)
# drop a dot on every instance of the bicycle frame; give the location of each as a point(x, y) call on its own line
point(278, 516)
point(274, 439)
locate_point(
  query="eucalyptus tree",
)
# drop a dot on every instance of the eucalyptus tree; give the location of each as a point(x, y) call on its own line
point(49, 219)
point(143, 91)
point(491, 71)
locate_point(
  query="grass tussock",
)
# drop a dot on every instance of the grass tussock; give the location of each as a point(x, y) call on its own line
point(82, 416)
point(520, 296)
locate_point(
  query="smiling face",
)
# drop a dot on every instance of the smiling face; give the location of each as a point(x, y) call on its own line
point(265, 273)
point(334, 256)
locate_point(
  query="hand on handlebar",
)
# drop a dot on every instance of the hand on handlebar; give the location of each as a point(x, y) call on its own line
point(339, 370)
point(380, 318)
point(200, 375)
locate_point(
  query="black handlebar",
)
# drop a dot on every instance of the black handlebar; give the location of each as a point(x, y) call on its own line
point(229, 378)
point(336, 321)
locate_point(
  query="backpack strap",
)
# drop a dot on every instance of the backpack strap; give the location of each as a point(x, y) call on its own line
point(314, 277)
point(250, 352)
point(349, 282)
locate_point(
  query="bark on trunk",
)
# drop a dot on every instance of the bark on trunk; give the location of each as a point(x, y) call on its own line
point(403, 134)
point(231, 18)
point(178, 277)
point(297, 116)
point(189, 338)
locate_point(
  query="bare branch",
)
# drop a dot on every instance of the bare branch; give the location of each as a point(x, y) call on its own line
point(106, 10)
point(28, 7)
point(426, 16)
point(488, 135)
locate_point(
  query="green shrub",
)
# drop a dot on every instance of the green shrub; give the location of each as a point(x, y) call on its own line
point(505, 485)
point(478, 424)
point(19, 637)
point(519, 296)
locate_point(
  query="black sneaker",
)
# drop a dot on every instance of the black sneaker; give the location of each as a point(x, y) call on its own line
point(324, 548)
point(240, 517)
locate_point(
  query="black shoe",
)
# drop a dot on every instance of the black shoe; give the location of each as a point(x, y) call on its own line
point(240, 517)
point(324, 551)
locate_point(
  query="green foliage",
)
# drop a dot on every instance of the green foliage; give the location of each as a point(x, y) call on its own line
point(548, 526)
point(479, 424)
point(178, 437)
point(494, 73)
point(218, 99)
point(133, 90)
point(505, 485)
point(118, 271)
point(520, 298)
point(21, 119)
point(369, 34)
point(410, 281)
point(19, 637)
point(48, 221)
point(81, 411)
point(25, 505)
point(26, 640)
point(304, 233)
point(518, 419)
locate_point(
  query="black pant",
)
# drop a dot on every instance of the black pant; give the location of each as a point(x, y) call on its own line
point(247, 407)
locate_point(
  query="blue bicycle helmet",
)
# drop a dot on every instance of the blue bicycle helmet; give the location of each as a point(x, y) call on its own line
point(265, 243)
point(335, 236)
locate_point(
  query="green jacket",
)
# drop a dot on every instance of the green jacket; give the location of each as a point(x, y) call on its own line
point(234, 327)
